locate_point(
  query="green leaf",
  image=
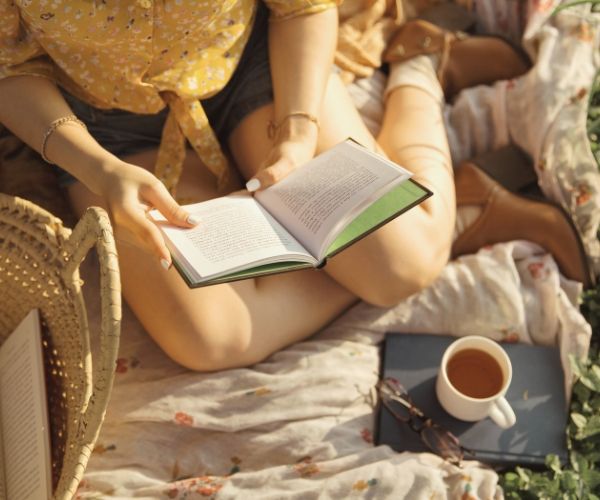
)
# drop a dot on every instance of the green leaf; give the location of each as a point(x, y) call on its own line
point(587, 375)
point(594, 112)
point(578, 419)
point(524, 475)
point(578, 366)
point(595, 403)
point(572, 4)
point(553, 463)
point(591, 428)
point(591, 478)
point(579, 463)
point(570, 482)
point(593, 457)
point(591, 378)
point(581, 392)
point(513, 485)
point(590, 381)
point(544, 487)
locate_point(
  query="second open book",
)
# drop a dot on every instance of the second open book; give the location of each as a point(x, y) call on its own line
point(25, 464)
point(315, 212)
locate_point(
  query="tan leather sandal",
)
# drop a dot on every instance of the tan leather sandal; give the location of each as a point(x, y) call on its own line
point(465, 60)
point(506, 216)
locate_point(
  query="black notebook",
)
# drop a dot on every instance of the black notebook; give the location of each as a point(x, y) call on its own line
point(536, 394)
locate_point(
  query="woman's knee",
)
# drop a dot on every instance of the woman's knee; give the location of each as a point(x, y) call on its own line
point(404, 278)
point(211, 341)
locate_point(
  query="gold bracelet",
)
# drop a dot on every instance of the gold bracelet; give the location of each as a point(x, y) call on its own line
point(52, 127)
point(273, 128)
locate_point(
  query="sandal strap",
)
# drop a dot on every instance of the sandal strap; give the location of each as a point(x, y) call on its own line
point(444, 58)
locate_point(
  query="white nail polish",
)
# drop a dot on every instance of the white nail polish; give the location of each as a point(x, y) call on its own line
point(165, 264)
point(252, 185)
point(193, 219)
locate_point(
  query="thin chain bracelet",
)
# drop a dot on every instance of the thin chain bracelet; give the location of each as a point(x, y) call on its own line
point(52, 127)
point(273, 128)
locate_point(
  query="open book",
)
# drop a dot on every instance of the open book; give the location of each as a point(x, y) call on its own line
point(25, 470)
point(315, 212)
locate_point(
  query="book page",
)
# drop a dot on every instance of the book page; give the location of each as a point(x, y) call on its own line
point(24, 416)
point(234, 232)
point(318, 199)
point(2, 479)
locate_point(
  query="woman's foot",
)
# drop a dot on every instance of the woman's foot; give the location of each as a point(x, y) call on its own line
point(464, 61)
point(504, 216)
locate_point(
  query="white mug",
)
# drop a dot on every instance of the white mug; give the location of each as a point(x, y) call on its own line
point(472, 409)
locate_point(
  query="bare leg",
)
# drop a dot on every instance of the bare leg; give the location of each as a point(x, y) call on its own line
point(221, 326)
point(226, 326)
point(414, 136)
point(408, 253)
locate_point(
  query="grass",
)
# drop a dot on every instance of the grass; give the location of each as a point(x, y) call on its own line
point(595, 4)
point(580, 479)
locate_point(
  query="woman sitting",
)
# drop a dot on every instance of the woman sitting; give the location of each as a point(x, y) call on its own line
point(125, 84)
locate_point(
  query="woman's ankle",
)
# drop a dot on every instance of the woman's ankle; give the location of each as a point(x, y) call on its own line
point(419, 72)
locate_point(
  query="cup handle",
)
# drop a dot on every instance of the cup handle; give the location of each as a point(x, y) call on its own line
point(502, 413)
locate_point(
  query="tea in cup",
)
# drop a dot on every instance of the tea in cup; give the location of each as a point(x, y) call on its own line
point(474, 376)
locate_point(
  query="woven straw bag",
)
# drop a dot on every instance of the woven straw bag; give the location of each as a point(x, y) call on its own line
point(39, 268)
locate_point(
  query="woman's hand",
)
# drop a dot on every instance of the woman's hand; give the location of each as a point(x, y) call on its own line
point(130, 192)
point(295, 144)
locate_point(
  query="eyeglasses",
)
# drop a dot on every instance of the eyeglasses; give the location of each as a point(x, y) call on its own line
point(439, 440)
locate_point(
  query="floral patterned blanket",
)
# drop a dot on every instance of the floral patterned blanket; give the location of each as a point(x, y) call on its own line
point(301, 424)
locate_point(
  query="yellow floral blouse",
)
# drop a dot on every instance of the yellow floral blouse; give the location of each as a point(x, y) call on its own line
point(139, 55)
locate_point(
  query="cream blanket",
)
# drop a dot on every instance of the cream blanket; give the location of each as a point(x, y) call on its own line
point(300, 424)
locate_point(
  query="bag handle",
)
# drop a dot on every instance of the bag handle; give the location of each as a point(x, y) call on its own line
point(94, 229)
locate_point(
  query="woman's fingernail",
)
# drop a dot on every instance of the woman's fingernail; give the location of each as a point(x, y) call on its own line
point(192, 219)
point(165, 263)
point(252, 185)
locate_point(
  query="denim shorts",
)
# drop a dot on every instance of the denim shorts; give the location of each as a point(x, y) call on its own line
point(124, 133)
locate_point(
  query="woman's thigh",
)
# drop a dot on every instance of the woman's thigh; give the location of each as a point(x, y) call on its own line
point(219, 326)
point(391, 263)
